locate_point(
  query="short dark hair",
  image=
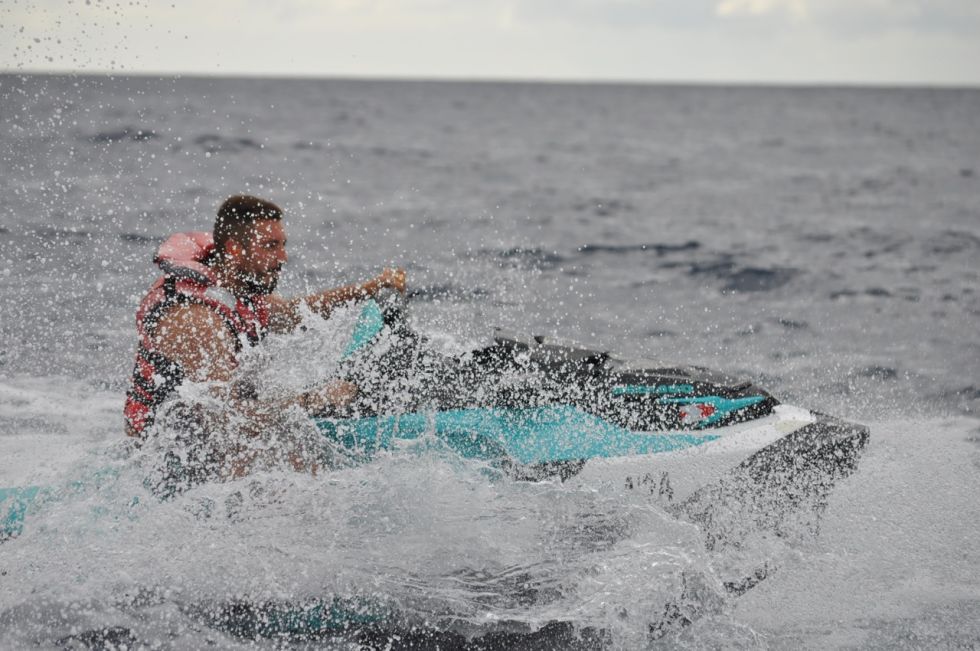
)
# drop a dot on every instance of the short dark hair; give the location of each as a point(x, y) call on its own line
point(239, 211)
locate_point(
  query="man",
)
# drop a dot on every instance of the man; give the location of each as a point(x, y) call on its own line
point(216, 296)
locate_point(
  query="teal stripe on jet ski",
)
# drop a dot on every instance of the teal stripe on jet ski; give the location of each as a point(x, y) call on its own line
point(13, 505)
point(368, 325)
point(15, 502)
point(723, 406)
point(313, 617)
point(646, 389)
point(528, 436)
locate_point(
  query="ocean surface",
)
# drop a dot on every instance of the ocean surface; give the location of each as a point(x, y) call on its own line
point(824, 242)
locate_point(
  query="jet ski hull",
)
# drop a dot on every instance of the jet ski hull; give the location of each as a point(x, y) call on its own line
point(775, 464)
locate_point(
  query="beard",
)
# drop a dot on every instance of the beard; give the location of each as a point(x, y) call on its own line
point(259, 285)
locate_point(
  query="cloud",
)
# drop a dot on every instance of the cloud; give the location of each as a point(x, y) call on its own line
point(707, 40)
point(849, 17)
point(794, 8)
point(617, 14)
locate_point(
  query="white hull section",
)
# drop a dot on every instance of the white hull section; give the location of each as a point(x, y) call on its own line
point(671, 477)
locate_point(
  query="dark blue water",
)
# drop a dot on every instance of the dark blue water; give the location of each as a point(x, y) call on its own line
point(825, 242)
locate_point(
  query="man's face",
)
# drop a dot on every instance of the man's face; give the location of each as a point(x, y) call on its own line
point(261, 256)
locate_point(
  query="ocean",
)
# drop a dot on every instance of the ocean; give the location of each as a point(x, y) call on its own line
point(823, 242)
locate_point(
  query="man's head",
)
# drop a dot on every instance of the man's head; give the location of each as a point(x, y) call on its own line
point(250, 242)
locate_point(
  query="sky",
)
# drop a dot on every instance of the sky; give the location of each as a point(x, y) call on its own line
point(880, 42)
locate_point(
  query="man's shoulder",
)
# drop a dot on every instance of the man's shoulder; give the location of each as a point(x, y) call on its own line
point(192, 319)
point(196, 338)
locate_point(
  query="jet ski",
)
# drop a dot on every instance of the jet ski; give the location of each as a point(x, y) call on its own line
point(715, 450)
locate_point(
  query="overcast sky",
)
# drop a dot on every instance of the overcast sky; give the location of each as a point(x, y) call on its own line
point(796, 41)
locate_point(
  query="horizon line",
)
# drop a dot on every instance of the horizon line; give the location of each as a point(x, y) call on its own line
point(453, 79)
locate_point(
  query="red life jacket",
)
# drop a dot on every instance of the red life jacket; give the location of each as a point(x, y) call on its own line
point(186, 279)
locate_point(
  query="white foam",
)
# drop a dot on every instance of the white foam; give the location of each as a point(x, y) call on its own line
point(48, 423)
point(898, 540)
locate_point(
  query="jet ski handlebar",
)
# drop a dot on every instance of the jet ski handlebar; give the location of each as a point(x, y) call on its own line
point(394, 306)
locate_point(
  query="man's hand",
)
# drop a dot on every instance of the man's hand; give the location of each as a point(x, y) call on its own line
point(335, 394)
point(393, 278)
point(284, 313)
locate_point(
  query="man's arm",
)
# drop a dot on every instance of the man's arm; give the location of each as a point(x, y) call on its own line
point(285, 314)
point(198, 339)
